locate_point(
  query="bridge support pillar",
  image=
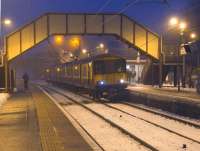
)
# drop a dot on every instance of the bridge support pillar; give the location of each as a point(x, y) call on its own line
point(4, 74)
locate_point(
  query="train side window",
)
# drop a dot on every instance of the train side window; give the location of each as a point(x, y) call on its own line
point(99, 67)
point(84, 70)
point(76, 70)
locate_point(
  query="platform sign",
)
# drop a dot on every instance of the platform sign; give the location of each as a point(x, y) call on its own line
point(119, 25)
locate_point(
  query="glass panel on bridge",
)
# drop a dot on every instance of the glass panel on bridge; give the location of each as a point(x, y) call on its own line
point(120, 25)
point(140, 37)
point(112, 24)
point(57, 24)
point(94, 24)
point(127, 29)
point(13, 45)
point(76, 24)
point(153, 43)
point(27, 37)
point(41, 31)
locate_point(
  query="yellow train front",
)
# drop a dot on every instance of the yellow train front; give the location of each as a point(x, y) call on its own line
point(102, 75)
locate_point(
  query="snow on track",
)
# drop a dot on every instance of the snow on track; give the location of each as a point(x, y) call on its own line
point(108, 137)
point(170, 124)
point(158, 137)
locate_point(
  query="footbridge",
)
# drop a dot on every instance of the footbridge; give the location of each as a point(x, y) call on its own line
point(119, 25)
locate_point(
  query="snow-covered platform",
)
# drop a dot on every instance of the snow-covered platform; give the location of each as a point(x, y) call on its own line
point(186, 102)
point(31, 121)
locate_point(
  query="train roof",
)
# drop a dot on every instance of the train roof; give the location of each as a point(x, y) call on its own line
point(92, 58)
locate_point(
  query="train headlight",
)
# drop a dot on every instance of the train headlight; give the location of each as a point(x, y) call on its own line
point(101, 82)
point(121, 81)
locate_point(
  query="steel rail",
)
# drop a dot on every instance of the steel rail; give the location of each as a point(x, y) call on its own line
point(157, 125)
point(157, 113)
point(164, 115)
point(79, 124)
point(124, 131)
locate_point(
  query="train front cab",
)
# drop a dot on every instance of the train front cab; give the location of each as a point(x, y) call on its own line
point(109, 76)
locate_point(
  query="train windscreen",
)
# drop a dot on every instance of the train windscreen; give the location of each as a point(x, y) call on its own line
point(109, 66)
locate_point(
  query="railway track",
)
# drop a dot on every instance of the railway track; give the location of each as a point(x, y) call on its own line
point(117, 107)
point(172, 117)
point(123, 130)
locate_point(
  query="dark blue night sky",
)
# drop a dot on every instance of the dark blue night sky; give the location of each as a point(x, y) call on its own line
point(151, 13)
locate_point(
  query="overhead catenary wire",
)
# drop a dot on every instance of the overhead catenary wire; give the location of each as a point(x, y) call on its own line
point(104, 6)
point(128, 5)
point(121, 11)
point(196, 27)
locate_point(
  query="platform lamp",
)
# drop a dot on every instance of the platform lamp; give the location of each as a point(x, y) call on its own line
point(4, 23)
point(174, 22)
point(76, 44)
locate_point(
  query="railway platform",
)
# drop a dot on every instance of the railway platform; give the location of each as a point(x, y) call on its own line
point(30, 121)
point(186, 102)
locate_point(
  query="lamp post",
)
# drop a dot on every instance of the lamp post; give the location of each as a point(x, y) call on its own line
point(174, 22)
point(6, 22)
point(75, 42)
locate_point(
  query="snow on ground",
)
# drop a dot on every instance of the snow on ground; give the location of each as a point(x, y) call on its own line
point(176, 126)
point(3, 98)
point(159, 138)
point(192, 120)
point(110, 138)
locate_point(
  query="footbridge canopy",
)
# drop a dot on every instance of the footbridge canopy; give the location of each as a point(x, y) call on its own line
point(126, 29)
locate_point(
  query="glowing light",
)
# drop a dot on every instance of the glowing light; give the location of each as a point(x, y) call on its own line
point(193, 35)
point(182, 25)
point(75, 42)
point(47, 70)
point(101, 82)
point(101, 45)
point(121, 80)
point(84, 51)
point(58, 40)
point(7, 22)
point(58, 69)
point(127, 67)
point(76, 68)
point(173, 21)
point(71, 55)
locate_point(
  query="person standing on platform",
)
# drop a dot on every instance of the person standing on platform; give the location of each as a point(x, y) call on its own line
point(26, 79)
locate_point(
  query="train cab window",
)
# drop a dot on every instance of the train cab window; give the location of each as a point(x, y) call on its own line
point(109, 66)
point(119, 65)
point(99, 67)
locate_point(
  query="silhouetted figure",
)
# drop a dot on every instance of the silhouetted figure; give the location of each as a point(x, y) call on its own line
point(26, 79)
